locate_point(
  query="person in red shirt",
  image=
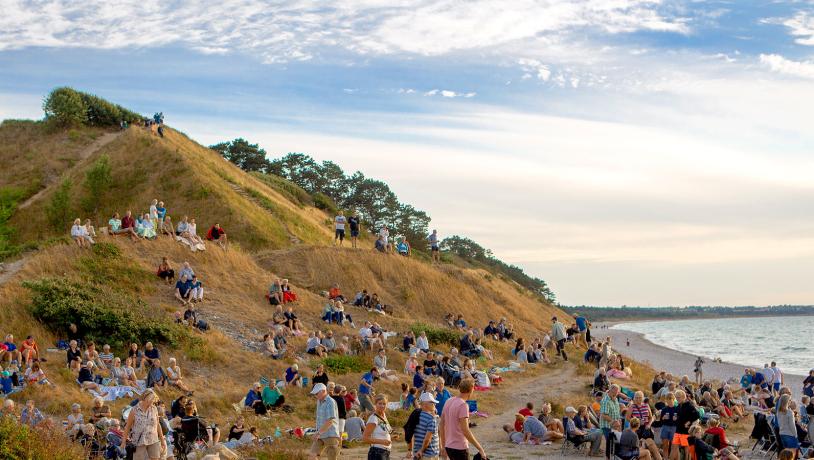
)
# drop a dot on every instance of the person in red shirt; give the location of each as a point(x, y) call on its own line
point(129, 226)
point(525, 412)
point(30, 350)
point(716, 430)
point(218, 235)
point(335, 294)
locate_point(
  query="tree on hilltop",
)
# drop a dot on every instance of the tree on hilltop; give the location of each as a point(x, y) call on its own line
point(248, 157)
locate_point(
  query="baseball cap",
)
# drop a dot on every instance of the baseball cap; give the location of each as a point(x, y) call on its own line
point(570, 410)
point(318, 387)
point(427, 397)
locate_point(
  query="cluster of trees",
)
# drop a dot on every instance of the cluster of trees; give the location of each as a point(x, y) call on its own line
point(375, 203)
point(66, 107)
point(693, 312)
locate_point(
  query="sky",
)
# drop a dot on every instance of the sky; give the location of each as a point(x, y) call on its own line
point(628, 152)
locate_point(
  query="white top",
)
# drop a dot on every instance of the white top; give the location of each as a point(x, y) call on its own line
point(78, 230)
point(365, 332)
point(340, 222)
point(382, 430)
point(153, 212)
point(174, 374)
point(192, 229)
point(778, 376)
point(385, 234)
point(75, 420)
point(422, 343)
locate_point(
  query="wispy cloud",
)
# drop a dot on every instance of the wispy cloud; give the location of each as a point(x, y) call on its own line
point(801, 26)
point(779, 64)
point(304, 29)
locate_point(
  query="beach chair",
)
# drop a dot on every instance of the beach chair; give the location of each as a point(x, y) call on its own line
point(569, 444)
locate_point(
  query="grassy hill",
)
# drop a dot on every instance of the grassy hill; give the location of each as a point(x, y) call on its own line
point(274, 234)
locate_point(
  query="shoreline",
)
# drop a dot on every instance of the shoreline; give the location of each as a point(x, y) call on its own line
point(677, 362)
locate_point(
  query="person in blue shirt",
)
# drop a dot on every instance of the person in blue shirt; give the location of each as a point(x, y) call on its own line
point(183, 290)
point(254, 399)
point(404, 247)
point(442, 395)
point(491, 330)
point(292, 376)
point(582, 327)
point(418, 377)
point(12, 352)
point(759, 380)
point(366, 389)
point(151, 354)
point(746, 380)
point(460, 323)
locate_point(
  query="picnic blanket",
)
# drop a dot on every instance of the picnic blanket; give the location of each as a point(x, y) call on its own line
point(115, 392)
point(192, 245)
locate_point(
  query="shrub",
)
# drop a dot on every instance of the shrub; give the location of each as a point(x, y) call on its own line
point(98, 180)
point(58, 210)
point(346, 364)
point(64, 107)
point(324, 202)
point(9, 196)
point(20, 442)
point(437, 335)
point(101, 112)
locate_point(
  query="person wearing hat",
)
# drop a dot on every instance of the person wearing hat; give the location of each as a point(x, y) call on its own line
point(578, 436)
point(425, 437)
point(326, 439)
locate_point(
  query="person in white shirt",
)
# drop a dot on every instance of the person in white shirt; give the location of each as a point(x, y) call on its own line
point(339, 226)
point(80, 234)
point(367, 335)
point(778, 377)
point(423, 343)
point(384, 233)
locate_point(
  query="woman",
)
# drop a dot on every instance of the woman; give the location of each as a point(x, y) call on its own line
point(288, 294)
point(153, 214)
point(34, 375)
point(92, 355)
point(143, 430)
point(116, 228)
point(320, 376)
point(704, 451)
point(276, 292)
point(237, 430)
point(166, 226)
point(174, 376)
point(641, 410)
point(130, 373)
point(100, 412)
point(165, 271)
point(408, 343)
point(269, 348)
point(148, 228)
point(192, 229)
point(786, 421)
point(75, 419)
point(291, 320)
point(136, 355)
point(380, 363)
point(808, 384)
point(668, 416)
point(80, 234)
point(686, 416)
point(377, 431)
point(74, 355)
point(410, 365)
point(90, 229)
point(117, 373)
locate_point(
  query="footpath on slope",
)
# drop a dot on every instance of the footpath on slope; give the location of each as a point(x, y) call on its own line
point(552, 386)
point(100, 142)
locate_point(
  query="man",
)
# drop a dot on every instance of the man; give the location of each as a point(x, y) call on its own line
point(454, 425)
point(491, 331)
point(578, 436)
point(151, 354)
point(355, 226)
point(12, 353)
point(339, 225)
point(381, 246)
point(559, 335)
point(366, 389)
point(582, 327)
point(609, 411)
point(768, 376)
point(778, 377)
point(384, 237)
point(183, 290)
point(699, 372)
point(30, 350)
point(425, 437)
point(326, 439)
point(535, 432)
point(191, 316)
point(434, 248)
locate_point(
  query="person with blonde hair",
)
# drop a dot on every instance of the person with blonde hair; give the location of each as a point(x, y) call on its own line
point(80, 234)
point(786, 422)
point(174, 375)
point(143, 430)
point(377, 431)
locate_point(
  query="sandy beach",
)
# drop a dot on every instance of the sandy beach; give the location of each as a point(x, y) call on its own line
point(678, 362)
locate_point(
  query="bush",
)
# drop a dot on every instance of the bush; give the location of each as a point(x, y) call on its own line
point(324, 202)
point(65, 107)
point(346, 364)
point(20, 442)
point(9, 196)
point(97, 182)
point(58, 210)
point(437, 335)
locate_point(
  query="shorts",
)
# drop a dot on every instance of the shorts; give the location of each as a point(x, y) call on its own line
point(667, 433)
point(434, 248)
point(144, 452)
point(365, 403)
point(681, 440)
point(354, 233)
point(776, 386)
point(457, 454)
point(328, 446)
point(340, 233)
point(789, 442)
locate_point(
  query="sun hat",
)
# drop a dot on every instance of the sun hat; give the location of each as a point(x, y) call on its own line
point(427, 397)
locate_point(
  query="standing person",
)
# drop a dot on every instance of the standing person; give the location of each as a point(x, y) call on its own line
point(609, 411)
point(687, 415)
point(384, 237)
point(143, 430)
point(366, 390)
point(340, 406)
point(699, 373)
point(786, 422)
point(434, 246)
point(778, 377)
point(339, 225)
point(425, 437)
point(559, 335)
point(582, 327)
point(454, 425)
point(327, 437)
point(377, 431)
point(355, 225)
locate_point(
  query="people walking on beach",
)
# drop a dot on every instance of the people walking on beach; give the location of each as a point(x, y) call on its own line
point(778, 378)
point(559, 335)
point(454, 425)
point(699, 373)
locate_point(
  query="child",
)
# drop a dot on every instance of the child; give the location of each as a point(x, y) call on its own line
point(6, 383)
point(418, 377)
point(410, 403)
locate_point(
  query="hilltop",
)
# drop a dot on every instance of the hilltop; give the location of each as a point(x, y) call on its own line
point(273, 233)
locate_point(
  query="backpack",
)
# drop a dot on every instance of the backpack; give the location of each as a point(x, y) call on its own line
point(410, 425)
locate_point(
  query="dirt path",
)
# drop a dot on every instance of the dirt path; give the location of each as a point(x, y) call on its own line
point(553, 383)
point(100, 142)
point(9, 269)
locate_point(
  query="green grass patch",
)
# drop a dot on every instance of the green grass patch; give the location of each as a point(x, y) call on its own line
point(20, 442)
point(285, 187)
point(437, 335)
point(346, 364)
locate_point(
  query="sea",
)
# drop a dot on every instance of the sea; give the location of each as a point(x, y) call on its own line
point(752, 342)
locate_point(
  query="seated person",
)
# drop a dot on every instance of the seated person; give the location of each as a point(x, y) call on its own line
point(550, 422)
point(254, 399)
point(288, 294)
point(195, 428)
point(411, 364)
point(106, 356)
point(468, 347)
point(291, 320)
point(151, 354)
point(275, 294)
point(166, 226)
point(30, 350)
point(117, 226)
point(460, 323)
point(89, 228)
point(165, 271)
point(704, 451)
point(370, 338)
point(100, 412)
point(716, 434)
point(491, 331)
point(174, 376)
point(90, 354)
point(34, 375)
point(329, 342)
point(273, 397)
point(535, 432)
point(423, 343)
point(601, 382)
point(218, 235)
point(279, 319)
point(628, 447)
point(320, 376)
point(408, 342)
point(313, 346)
point(515, 436)
point(86, 379)
point(403, 247)
point(431, 365)
point(336, 294)
point(380, 245)
point(74, 356)
point(579, 435)
point(156, 376)
point(292, 376)
point(80, 234)
point(183, 290)
point(197, 292)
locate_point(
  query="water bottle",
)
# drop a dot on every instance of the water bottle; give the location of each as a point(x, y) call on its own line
point(277, 432)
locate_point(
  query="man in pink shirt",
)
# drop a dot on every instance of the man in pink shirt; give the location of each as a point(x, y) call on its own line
point(454, 426)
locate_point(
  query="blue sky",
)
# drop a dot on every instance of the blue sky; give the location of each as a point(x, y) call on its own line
point(626, 151)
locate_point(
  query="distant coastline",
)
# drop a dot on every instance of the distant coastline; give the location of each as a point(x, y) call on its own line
point(626, 314)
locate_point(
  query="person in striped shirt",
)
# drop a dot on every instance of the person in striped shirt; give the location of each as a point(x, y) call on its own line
point(425, 437)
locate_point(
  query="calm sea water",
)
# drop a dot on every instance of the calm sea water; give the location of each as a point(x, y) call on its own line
point(789, 340)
